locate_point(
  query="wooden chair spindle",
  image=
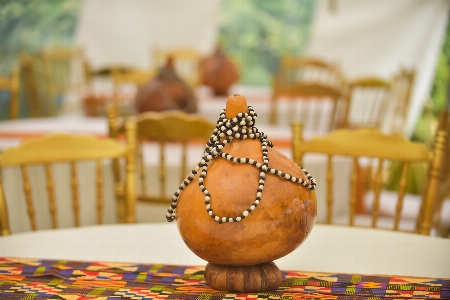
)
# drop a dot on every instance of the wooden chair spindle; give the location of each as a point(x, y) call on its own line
point(377, 181)
point(401, 195)
point(330, 189)
point(75, 194)
point(353, 190)
point(28, 197)
point(99, 186)
point(51, 195)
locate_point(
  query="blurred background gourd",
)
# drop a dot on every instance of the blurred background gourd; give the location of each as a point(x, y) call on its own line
point(218, 72)
point(166, 91)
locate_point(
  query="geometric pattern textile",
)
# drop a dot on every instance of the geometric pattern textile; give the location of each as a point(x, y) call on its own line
point(26, 278)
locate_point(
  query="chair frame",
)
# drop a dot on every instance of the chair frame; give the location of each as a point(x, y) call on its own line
point(66, 148)
point(367, 83)
point(403, 85)
point(443, 185)
point(156, 126)
point(333, 86)
point(11, 84)
point(134, 77)
point(180, 55)
point(28, 71)
point(372, 143)
point(43, 78)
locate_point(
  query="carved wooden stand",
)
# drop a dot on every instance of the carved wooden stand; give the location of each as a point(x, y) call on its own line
point(259, 278)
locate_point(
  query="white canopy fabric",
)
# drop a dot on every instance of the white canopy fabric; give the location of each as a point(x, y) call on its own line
point(365, 37)
point(124, 32)
point(377, 37)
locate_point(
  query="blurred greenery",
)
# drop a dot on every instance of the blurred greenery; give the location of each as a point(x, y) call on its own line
point(30, 25)
point(256, 32)
point(441, 83)
point(427, 123)
point(253, 32)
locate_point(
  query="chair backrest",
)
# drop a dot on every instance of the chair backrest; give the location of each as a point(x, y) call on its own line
point(186, 61)
point(51, 74)
point(69, 149)
point(309, 80)
point(402, 89)
point(31, 81)
point(370, 143)
point(368, 101)
point(443, 186)
point(125, 86)
point(132, 76)
point(11, 85)
point(309, 69)
point(171, 128)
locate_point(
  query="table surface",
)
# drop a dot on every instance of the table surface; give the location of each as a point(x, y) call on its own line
point(25, 278)
point(329, 248)
point(12, 132)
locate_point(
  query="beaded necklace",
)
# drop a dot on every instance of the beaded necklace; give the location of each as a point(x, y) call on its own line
point(240, 127)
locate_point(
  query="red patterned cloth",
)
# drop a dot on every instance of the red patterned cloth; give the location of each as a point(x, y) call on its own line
point(22, 278)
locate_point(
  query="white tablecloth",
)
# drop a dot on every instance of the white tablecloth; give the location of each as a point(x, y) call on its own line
point(327, 249)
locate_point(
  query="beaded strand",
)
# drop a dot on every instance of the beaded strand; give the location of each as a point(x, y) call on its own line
point(240, 127)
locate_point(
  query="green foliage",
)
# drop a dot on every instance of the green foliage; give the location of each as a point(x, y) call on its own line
point(415, 178)
point(441, 83)
point(29, 25)
point(257, 32)
point(426, 125)
point(254, 32)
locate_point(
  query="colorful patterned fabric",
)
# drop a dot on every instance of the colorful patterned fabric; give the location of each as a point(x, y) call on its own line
point(57, 279)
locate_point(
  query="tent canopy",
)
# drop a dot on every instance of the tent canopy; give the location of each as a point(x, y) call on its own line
point(365, 37)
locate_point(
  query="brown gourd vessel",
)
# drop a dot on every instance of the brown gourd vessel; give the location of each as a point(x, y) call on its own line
point(241, 254)
point(218, 72)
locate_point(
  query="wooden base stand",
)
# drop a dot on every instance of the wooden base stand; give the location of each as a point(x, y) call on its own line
point(259, 278)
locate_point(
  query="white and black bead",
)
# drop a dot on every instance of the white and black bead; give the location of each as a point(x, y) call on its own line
point(240, 127)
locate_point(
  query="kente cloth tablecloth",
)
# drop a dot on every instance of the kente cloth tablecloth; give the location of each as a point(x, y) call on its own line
point(22, 278)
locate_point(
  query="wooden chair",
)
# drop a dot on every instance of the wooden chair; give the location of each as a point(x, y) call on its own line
point(367, 103)
point(125, 86)
point(52, 74)
point(167, 129)
point(443, 188)
point(186, 60)
point(402, 88)
point(309, 81)
point(370, 143)
point(68, 149)
point(133, 76)
point(412, 201)
point(11, 85)
point(416, 183)
point(31, 81)
point(64, 73)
